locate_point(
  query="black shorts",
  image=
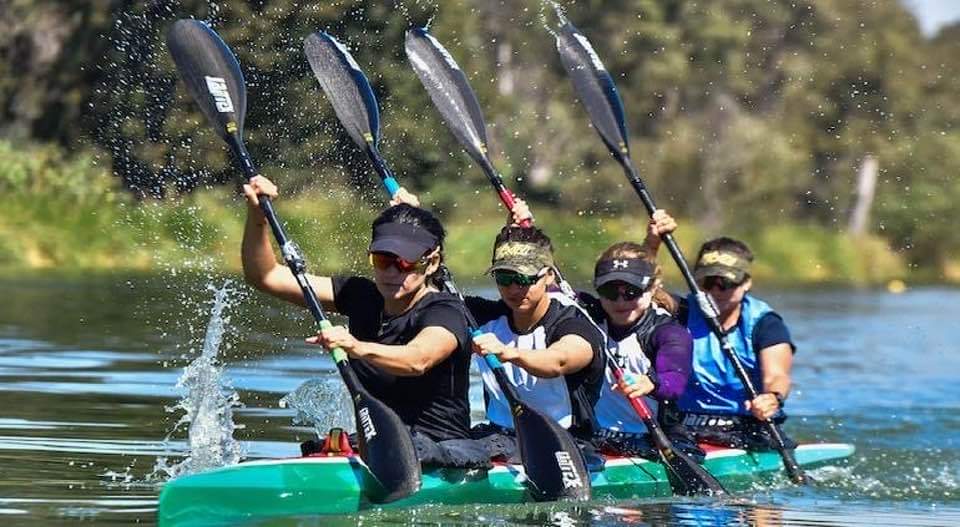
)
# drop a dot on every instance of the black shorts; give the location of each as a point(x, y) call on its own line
point(501, 444)
point(640, 445)
point(451, 453)
point(734, 431)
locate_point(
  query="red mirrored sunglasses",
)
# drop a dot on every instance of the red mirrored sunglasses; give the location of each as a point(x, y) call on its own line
point(384, 261)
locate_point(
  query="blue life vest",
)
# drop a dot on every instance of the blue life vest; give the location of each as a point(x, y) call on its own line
point(714, 387)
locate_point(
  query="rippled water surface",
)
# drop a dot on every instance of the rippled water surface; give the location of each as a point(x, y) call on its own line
point(88, 383)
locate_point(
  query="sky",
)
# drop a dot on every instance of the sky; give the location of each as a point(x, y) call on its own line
point(934, 13)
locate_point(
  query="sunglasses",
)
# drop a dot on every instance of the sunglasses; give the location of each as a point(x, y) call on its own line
point(613, 291)
point(508, 278)
point(384, 261)
point(720, 282)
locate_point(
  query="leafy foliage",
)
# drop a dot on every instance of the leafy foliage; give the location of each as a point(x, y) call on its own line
point(743, 113)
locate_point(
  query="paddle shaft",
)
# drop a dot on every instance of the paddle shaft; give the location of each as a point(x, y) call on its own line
point(386, 176)
point(517, 406)
point(506, 197)
point(295, 262)
point(639, 406)
point(713, 319)
point(391, 185)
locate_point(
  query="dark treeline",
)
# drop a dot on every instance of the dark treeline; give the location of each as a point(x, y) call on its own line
point(743, 113)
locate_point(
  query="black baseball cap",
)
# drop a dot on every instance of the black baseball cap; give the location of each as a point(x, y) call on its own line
point(634, 271)
point(405, 240)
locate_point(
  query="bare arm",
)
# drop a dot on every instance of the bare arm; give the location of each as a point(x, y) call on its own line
point(430, 347)
point(775, 364)
point(260, 266)
point(569, 354)
point(660, 224)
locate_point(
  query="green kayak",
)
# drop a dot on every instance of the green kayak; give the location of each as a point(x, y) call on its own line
point(335, 485)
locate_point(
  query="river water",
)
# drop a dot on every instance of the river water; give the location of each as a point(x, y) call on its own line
point(89, 368)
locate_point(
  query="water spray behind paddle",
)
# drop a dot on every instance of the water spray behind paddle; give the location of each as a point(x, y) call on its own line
point(208, 402)
point(321, 404)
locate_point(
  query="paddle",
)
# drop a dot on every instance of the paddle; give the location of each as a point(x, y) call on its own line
point(550, 457)
point(348, 90)
point(214, 80)
point(457, 103)
point(686, 475)
point(597, 91)
point(451, 93)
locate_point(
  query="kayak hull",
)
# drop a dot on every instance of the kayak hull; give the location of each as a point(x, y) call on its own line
point(335, 485)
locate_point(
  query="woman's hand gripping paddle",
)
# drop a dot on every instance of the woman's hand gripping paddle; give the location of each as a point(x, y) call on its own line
point(551, 458)
point(213, 78)
point(596, 90)
point(686, 475)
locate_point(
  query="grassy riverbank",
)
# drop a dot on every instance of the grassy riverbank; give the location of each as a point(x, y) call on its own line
point(69, 214)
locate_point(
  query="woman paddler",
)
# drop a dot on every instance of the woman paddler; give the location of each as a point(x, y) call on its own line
point(655, 351)
point(407, 341)
point(551, 352)
point(635, 314)
point(715, 405)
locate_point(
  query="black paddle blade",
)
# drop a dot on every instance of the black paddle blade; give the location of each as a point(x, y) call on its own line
point(212, 75)
point(346, 87)
point(387, 448)
point(595, 88)
point(450, 91)
point(686, 476)
point(794, 471)
point(554, 465)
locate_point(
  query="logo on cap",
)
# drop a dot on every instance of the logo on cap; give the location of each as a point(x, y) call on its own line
point(620, 264)
point(721, 258)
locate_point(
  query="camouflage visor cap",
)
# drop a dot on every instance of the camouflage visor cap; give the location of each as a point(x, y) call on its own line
point(725, 264)
point(521, 257)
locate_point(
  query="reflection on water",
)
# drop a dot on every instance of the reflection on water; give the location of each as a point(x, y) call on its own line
point(695, 513)
point(88, 366)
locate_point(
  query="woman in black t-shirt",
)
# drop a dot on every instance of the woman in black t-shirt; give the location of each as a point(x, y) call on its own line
point(407, 341)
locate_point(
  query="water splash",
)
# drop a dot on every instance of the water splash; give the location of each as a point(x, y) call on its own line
point(560, 12)
point(322, 404)
point(208, 403)
point(424, 8)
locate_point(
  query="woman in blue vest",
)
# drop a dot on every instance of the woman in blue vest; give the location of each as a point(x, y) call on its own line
point(715, 405)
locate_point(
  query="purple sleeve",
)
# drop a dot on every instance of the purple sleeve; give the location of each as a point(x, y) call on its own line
point(673, 349)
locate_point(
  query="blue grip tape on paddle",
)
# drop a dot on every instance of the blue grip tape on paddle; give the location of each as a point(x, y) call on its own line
point(492, 360)
point(392, 186)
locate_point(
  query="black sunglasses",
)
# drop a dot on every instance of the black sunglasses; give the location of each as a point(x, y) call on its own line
point(613, 291)
point(720, 282)
point(508, 278)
